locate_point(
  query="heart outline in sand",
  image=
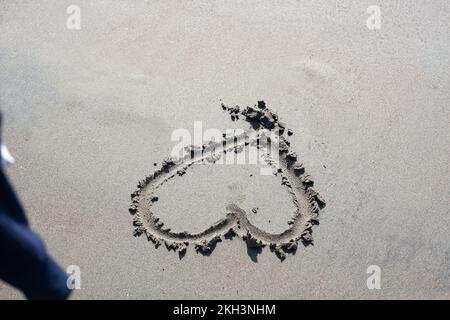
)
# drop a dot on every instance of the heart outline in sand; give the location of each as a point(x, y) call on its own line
point(306, 200)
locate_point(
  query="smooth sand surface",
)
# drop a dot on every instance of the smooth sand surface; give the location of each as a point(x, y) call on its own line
point(88, 112)
point(199, 198)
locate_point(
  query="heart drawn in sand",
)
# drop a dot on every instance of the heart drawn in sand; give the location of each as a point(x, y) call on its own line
point(306, 200)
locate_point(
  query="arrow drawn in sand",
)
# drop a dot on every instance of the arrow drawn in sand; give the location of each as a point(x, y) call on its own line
point(298, 184)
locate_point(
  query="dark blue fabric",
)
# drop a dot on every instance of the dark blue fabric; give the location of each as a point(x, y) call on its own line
point(24, 261)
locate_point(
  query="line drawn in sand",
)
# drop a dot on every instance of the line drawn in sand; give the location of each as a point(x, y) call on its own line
point(306, 200)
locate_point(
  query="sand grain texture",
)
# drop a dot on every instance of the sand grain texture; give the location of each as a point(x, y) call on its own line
point(306, 200)
point(88, 112)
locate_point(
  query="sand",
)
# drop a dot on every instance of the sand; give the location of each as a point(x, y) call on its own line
point(87, 113)
point(265, 134)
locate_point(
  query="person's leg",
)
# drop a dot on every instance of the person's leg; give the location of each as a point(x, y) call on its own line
point(24, 261)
